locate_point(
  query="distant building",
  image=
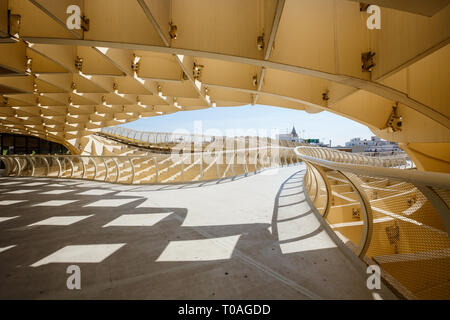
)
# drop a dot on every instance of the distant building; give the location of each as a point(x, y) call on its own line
point(341, 148)
point(312, 141)
point(316, 142)
point(375, 144)
point(293, 136)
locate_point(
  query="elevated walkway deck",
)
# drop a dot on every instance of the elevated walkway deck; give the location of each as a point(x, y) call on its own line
point(251, 238)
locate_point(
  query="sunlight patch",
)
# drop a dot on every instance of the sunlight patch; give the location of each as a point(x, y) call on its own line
point(200, 250)
point(7, 218)
point(10, 202)
point(60, 221)
point(316, 242)
point(110, 202)
point(58, 191)
point(6, 248)
point(136, 220)
point(95, 192)
point(20, 191)
point(298, 227)
point(34, 184)
point(133, 194)
point(10, 183)
point(89, 253)
point(147, 204)
point(54, 203)
point(294, 210)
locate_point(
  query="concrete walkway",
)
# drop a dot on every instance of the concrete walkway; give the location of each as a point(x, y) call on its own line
point(251, 238)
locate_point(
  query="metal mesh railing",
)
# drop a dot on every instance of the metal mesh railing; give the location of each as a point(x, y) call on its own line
point(395, 218)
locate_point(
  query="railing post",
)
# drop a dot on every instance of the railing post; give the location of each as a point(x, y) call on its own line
point(308, 179)
point(245, 163)
point(232, 163)
point(95, 168)
point(156, 169)
point(71, 167)
point(133, 172)
point(118, 169)
point(323, 174)
point(217, 168)
point(316, 193)
point(59, 167)
point(201, 165)
point(47, 173)
point(182, 169)
point(366, 236)
point(30, 160)
point(106, 168)
point(84, 167)
point(19, 166)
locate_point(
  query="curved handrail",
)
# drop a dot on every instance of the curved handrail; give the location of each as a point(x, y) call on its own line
point(356, 158)
point(438, 179)
point(405, 213)
point(137, 137)
point(134, 168)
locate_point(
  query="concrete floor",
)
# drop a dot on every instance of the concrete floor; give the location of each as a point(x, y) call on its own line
point(251, 238)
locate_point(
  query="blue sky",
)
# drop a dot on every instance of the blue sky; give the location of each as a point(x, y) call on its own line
point(324, 125)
